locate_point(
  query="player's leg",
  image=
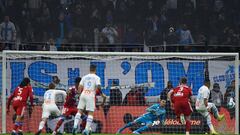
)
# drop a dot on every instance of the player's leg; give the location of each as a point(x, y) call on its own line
point(45, 115)
point(41, 125)
point(215, 112)
point(207, 116)
point(20, 131)
point(90, 107)
point(187, 111)
point(77, 119)
point(188, 124)
point(19, 120)
point(59, 123)
point(61, 118)
point(178, 112)
point(84, 122)
point(87, 129)
point(143, 128)
point(65, 113)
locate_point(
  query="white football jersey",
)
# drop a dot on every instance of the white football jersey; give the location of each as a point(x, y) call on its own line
point(90, 83)
point(203, 93)
point(50, 96)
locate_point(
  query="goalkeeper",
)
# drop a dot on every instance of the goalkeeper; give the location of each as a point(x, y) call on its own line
point(155, 114)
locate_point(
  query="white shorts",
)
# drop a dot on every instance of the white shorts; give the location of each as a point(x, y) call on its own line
point(204, 111)
point(87, 103)
point(48, 109)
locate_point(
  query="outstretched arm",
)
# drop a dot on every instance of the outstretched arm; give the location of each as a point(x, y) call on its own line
point(169, 95)
point(99, 91)
point(9, 101)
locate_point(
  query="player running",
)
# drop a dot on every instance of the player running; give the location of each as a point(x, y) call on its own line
point(20, 97)
point(69, 107)
point(179, 98)
point(88, 86)
point(155, 113)
point(204, 107)
point(49, 106)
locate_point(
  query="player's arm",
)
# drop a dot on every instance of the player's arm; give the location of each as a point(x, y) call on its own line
point(98, 88)
point(63, 93)
point(9, 101)
point(31, 95)
point(206, 102)
point(80, 86)
point(152, 109)
point(191, 97)
point(104, 98)
point(80, 89)
point(206, 96)
point(169, 96)
point(162, 118)
point(99, 92)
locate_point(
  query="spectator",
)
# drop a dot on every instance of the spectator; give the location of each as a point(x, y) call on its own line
point(109, 16)
point(130, 38)
point(185, 38)
point(171, 39)
point(154, 30)
point(136, 96)
point(163, 94)
point(51, 45)
point(216, 96)
point(110, 33)
point(230, 93)
point(115, 94)
point(61, 29)
point(140, 94)
point(131, 98)
point(8, 32)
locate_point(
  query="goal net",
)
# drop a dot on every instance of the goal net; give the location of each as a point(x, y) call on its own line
point(132, 83)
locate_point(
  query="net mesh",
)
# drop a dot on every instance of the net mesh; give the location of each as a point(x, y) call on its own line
point(131, 82)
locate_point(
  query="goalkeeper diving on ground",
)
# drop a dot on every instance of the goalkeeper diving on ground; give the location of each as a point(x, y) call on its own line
point(154, 115)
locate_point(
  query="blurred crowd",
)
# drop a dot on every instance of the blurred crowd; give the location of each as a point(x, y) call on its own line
point(163, 25)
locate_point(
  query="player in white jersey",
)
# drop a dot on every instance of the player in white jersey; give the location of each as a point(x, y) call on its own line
point(204, 107)
point(88, 86)
point(49, 106)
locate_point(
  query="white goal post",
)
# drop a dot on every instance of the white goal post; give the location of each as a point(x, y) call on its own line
point(111, 56)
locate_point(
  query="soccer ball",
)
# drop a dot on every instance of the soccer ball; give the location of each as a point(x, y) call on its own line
point(231, 103)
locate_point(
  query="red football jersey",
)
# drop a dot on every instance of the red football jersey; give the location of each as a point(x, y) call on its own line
point(20, 96)
point(182, 93)
point(71, 99)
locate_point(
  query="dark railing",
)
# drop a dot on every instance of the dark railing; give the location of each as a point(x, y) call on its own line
point(119, 47)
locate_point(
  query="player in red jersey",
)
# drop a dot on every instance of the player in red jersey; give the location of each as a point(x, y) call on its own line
point(19, 102)
point(69, 107)
point(180, 100)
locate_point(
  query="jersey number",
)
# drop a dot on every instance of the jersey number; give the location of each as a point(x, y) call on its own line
point(20, 91)
point(89, 84)
point(48, 96)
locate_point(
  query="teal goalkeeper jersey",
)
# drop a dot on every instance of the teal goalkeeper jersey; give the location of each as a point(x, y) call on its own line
point(155, 112)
